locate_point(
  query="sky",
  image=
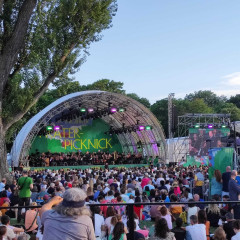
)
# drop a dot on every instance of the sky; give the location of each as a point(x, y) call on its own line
point(157, 47)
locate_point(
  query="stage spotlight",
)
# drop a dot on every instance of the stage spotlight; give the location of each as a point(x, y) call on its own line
point(121, 109)
point(57, 128)
point(90, 110)
point(113, 110)
point(141, 128)
point(197, 126)
point(49, 128)
point(210, 126)
point(148, 127)
point(83, 110)
point(224, 126)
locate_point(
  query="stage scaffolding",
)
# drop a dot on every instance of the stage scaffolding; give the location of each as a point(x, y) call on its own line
point(180, 143)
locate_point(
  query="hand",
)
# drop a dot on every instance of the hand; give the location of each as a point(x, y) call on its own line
point(56, 200)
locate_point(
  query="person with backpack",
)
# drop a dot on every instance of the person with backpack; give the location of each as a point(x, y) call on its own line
point(25, 184)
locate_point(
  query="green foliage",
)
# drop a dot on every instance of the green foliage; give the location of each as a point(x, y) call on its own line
point(56, 44)
point(160, 110)
point(235, 100)
point(143, 101)
point(105, 85)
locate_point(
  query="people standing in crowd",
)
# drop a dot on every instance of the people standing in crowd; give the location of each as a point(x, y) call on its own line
point(216, 183)
point(225, 179)
point(2, 184)
point(234, 191)
point(25, 184)
point(198, 182)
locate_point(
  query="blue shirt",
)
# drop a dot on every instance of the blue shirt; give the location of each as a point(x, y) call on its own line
point(216, 187)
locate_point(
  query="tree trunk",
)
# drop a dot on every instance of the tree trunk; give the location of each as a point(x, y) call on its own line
point(4, 172)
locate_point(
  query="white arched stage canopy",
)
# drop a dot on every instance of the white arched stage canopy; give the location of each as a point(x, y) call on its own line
point(152, 141)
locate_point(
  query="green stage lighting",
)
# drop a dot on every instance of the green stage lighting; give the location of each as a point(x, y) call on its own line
point(121, 110)
point(224, 126)
point(148, 128)
point(49, 128)
point(197, 126)
point(82, 110)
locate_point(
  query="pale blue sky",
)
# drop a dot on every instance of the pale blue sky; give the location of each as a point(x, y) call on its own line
point(161, 46)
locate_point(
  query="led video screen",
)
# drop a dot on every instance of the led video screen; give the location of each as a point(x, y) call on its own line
point(201, 140)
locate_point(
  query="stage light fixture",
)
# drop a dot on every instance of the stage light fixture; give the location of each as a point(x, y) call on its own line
point(57, 128)
point(49, 128)
point(82, 110)
point(148, 127)
point(210, 126)
point(121, 110)
point(224, 126)
point(113, 110)
point(141, 128)
point(90, 110)
point(197, 126)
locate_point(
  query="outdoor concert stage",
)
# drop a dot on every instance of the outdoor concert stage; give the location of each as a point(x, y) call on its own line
point(83, 167)
point(89, 123)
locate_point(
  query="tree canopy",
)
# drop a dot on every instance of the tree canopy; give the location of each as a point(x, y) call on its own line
point(41, 43)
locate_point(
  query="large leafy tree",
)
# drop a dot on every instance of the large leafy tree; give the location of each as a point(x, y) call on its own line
point(42, 42)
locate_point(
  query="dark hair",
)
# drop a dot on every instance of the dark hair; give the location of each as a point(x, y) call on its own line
point(118, 230)
point(194, 219)
point(236, 224)
point(5, 219)
point(110, 212)
point(4, 193)
point(202, 216)
point(134, 224)
point(191, 203)
point(3, 230)
point(163, 211)
point(179, 222)
point(97, 209)
point(161, 228)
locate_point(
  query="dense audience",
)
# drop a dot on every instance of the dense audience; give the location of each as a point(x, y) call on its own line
point(65, 197)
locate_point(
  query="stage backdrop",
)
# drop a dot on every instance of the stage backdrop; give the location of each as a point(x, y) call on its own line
point(73, 137)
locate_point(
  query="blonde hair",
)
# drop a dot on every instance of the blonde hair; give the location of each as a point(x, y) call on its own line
point(214, 208)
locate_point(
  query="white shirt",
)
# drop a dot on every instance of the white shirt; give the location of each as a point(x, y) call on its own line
point(197, 231)
point(125, 198)
point(191, 211)
point(10, 234)
point(98, 222)
point(236, 237)
point(2, 186)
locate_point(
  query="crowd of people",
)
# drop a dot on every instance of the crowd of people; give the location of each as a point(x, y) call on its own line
point(78, 158)
point(65, 204)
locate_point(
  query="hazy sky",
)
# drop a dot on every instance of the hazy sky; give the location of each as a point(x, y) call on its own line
point(157, 47)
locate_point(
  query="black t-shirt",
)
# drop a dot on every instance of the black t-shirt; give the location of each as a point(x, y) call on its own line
point(180, 234)
point(226, 177)
point(137, 236)
point(227, 227)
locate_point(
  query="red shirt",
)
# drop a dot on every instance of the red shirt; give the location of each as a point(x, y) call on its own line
point(137, 210)
point(104, 208)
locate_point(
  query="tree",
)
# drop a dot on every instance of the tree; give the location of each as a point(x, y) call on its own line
point(209, 98)
point(43, 42)
point(160, 110)
point(235, 100)
point(143, 101)
point(230, 108)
